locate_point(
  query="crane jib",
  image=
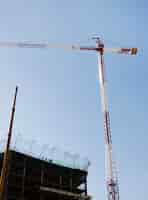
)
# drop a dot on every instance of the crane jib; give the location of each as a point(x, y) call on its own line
point(33, 45)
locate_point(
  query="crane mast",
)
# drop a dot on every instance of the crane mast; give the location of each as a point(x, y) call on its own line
point(111, 183)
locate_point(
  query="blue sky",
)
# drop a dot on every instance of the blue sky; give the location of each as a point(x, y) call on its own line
point(59, 101)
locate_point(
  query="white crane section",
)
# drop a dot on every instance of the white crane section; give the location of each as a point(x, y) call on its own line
point(129, 51)
point(111, 180)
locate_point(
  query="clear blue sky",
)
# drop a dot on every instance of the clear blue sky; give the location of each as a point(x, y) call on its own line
point(59, 101)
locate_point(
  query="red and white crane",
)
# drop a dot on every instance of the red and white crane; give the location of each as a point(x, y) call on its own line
point(111, 181)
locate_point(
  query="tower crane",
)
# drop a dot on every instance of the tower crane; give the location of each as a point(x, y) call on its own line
point(112, 186)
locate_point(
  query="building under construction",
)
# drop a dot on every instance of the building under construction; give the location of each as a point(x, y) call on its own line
point(30, 178)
